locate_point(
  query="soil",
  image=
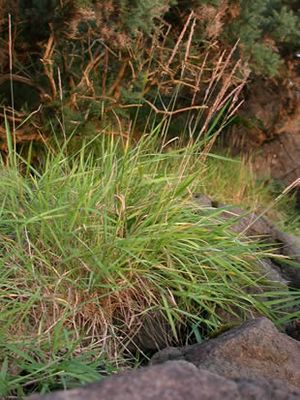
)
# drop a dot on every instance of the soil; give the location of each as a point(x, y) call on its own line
point(268, 128)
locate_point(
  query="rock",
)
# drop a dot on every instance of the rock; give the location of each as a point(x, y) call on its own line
point(272, 272)
point(289, 247)
point(248, 224)
point(167, 354)
point(176, 380)
point(290, 244)
point(255, 350)
point(261, 389)
point(254, 226)
point(202, 200)
point(257, 227)
point(254, 361)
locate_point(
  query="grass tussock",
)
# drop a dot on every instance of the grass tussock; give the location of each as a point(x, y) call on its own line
point(92, 242)
point(232, 181)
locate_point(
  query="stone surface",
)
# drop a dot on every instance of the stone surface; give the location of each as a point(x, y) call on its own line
point(260, 228)
point(272, 272)
point(202, 200)
point(252, 362)
point(261, 389)
point(255, 350)
point(249, 224)
point(171, 381)
point(289, 246)
point(177, 380)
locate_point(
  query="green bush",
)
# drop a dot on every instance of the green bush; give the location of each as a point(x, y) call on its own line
point(98, 61)
point(265, 29)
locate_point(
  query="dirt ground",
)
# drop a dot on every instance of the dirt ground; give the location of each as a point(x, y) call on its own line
point(268, 132)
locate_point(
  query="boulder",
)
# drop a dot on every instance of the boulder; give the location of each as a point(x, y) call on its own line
point(247, 223)
point(289, 246)
point(176, 380)
point(254, 361)
point(257, 227)
point(255, 350)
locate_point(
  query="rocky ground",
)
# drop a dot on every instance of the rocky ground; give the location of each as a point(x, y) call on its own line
point(261, 229)
point(269, 130)
point(254, 361)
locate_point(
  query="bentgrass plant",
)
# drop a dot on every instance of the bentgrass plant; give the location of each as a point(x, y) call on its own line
point(92, 242)
point(232, 181)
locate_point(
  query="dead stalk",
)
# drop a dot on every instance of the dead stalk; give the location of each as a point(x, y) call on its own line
point(180, 38)
point(170, 113)
point(48, 65)
point(11, 74)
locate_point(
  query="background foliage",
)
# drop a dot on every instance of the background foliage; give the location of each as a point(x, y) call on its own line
point(97, 61)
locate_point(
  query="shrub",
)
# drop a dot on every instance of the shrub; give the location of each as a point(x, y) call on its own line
point(99, 61)
point(265, 29)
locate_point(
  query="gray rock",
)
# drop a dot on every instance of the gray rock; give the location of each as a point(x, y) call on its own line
point(167, 354)
point(289, 247)
point(261, 389)
point(244, 222)
point(248, 223)
point(254, 350)
point(171, 381)
point(252, 362)
point(255, 226)
point(176, 380)
point(202, 200)
point(272, 272)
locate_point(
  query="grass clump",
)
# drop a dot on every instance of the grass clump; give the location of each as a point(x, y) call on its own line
point(232, 181)
point(93, 242)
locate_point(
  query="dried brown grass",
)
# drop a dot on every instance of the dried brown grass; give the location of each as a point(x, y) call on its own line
point(198, 79)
